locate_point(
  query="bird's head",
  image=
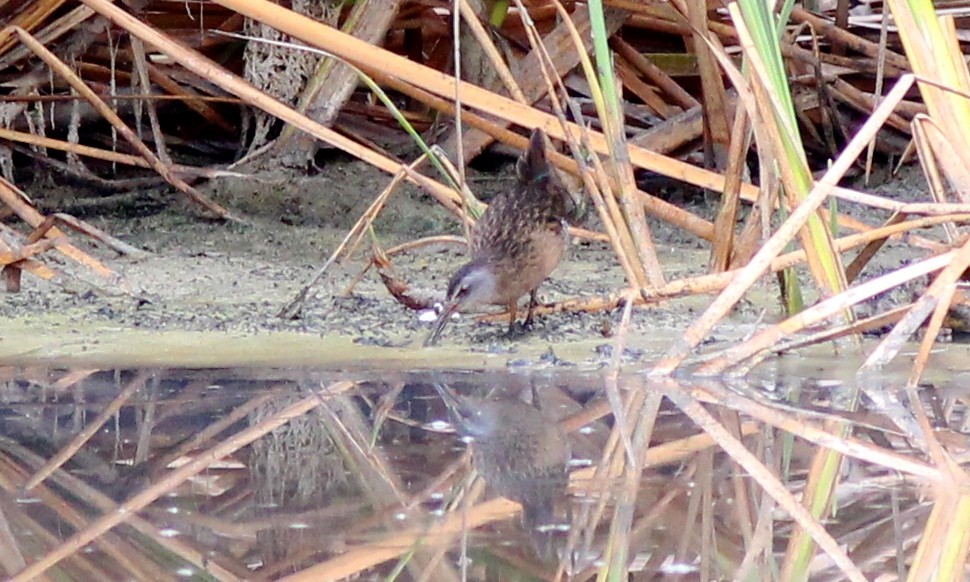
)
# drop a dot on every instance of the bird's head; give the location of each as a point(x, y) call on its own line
point(473, 284)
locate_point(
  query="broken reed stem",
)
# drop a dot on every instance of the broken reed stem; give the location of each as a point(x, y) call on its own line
point(722, 246)
point(17, 201)
point(655, 74)
point(293, 308)
point(9, 257)
point(370, 215)
point(89, 230)
point(869, 251)
point(403, 248)
point(853, 41)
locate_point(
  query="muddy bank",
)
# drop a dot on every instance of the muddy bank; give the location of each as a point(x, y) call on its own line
point(233, 279)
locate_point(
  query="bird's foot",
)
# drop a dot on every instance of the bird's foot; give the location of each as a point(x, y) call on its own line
point(517, 329)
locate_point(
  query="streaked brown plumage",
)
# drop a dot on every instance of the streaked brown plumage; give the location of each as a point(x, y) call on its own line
point(516, 244)
point(521, 453)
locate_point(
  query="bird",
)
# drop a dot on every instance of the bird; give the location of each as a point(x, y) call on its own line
point(516, 244)
point(520, 451)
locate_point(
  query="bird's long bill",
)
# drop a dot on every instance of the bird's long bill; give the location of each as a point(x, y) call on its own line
point(439, 324)
point(458, 410)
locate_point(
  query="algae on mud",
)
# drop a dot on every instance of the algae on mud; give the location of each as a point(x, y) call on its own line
point(232, 280)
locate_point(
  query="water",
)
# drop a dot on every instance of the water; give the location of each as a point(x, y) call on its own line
point(245, 473)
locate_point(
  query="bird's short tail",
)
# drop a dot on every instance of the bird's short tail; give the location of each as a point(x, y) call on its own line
point(533, 167)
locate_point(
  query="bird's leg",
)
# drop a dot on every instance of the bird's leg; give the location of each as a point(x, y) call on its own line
point(535, 397)
point(532, 305)
point(512, 309)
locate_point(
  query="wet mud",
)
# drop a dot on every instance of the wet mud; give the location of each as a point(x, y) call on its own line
point(232, 280)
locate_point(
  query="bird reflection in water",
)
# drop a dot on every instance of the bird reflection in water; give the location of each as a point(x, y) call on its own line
point(522, 454)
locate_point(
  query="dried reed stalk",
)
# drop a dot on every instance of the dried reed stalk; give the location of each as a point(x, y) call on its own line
point(17, 201)
point(763, 258)
point(768, 481)
point(176, 477)
point(68, 450)
point(59, 67)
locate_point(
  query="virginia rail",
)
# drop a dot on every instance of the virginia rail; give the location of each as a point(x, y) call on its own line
point(516, 244)
point(522, 453)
